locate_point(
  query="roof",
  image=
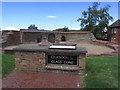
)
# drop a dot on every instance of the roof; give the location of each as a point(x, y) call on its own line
point(115, 24)
point(33, 29)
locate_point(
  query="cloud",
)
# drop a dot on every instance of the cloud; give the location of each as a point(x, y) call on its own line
point(51, 16)
point(10, 28)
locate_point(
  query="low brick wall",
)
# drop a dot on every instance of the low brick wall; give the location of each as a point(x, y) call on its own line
point(36, 59)
point(100, 42)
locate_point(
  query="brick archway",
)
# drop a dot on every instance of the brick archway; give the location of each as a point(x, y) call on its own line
point(51, 38)
point(63, 38)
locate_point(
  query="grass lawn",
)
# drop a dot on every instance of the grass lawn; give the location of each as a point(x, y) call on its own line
point(8, 64)
point(102, 72)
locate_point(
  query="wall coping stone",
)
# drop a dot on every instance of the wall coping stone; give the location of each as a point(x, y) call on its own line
point(47, 50)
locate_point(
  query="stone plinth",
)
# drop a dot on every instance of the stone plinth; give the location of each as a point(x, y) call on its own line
point(43, 59)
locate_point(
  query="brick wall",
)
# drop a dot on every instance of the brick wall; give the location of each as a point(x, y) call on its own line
point(115, 38)
point(37, 61)
point(12, 38)
point(81, 38)
point(118, 36)
point(30, 60)
point(28, 37)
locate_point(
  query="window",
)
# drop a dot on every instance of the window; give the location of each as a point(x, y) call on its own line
point(114, 31)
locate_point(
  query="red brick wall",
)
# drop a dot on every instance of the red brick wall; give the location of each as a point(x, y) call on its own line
point(118, 36)
point(30, 37)
point(13, 38)
point(37, 61)
point(30, 61)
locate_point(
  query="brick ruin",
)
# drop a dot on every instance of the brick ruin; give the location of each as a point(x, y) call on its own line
point(34, 35)
point(10, 38)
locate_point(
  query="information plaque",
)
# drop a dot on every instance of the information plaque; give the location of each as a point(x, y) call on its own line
point(62, 59)
point(63, 47)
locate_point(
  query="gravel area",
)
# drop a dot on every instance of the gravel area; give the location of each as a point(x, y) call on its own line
point(96, 49)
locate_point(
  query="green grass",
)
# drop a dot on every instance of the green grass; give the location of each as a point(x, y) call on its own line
point(102, 72)
point(8, 64)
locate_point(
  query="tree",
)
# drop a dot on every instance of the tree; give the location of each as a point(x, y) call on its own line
point(66, 29)
point(95, 19)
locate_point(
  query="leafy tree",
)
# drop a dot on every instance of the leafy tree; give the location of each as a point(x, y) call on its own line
point(66, 29)
point(95, 19)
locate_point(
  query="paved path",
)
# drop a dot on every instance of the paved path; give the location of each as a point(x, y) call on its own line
point(21, 79)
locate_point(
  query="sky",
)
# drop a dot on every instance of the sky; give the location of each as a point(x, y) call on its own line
point(48, 15)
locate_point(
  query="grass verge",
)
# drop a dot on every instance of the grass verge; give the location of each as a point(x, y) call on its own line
point(8, 64)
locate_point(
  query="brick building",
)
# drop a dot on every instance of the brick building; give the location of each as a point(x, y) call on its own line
point(114, 32)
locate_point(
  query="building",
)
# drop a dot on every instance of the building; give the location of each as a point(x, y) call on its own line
point(114, 32)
